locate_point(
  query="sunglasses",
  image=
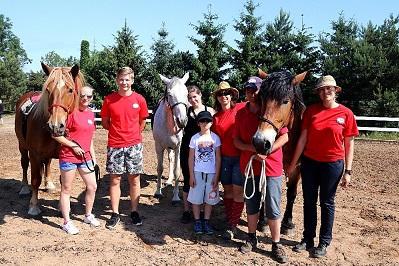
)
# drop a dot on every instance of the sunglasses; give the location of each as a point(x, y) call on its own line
point(86, 95)
point(204, 121)
point(223, 93)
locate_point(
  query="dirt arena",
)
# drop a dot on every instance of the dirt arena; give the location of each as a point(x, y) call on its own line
point(366, 229)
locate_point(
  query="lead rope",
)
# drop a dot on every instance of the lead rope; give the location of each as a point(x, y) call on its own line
point(249, 174)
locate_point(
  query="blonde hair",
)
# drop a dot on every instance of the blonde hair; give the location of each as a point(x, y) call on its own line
point(125, 71)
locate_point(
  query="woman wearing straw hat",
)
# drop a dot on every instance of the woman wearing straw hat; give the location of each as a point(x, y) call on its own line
point(327, 144)
point(226, 109)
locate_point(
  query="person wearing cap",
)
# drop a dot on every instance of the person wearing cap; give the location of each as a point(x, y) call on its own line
point(247, 121)
point(196, 106)
point(327, 145)
point(204, 165)
point(226, 106)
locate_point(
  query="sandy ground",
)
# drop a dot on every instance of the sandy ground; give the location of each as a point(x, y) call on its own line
point(366, 230)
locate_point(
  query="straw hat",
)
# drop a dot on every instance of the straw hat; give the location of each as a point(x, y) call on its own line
point(327, 81)
point(225, 86)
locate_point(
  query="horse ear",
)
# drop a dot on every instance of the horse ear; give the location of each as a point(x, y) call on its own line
point(262, 74)
point(185, 78)
point(164, 79)
point(299, 78)
point(75, 71)
point(46, 68)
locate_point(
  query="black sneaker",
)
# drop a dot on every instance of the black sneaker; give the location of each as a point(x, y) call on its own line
point(113, 221)
point(136, 220)
point(278, 253)
point(186, 217)
point(230, 233)
point(304, 245)
point(320, 251)
point(249, 245)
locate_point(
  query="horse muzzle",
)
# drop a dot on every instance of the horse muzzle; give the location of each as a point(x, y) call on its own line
point(57, 130)
point(262, 144)
point(181, 123)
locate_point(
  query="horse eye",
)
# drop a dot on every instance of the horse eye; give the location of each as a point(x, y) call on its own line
point(70, 90)
point(286, 101)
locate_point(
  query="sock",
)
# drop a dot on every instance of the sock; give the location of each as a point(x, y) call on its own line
point(236, 210)
point(228, 204)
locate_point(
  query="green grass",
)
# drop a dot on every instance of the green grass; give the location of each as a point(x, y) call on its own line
point(380, 135)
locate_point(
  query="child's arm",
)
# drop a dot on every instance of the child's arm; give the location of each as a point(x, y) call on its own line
point(215, 181)
point(191, 167)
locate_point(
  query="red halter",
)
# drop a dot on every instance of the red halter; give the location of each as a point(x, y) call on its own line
point(66, 108)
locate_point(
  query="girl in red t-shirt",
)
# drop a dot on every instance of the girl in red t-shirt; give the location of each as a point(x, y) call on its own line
point(327, 143)
point(75, 146)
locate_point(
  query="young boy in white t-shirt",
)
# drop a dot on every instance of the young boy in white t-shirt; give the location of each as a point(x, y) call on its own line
point(204, 165)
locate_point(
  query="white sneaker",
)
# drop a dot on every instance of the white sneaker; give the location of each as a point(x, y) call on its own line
point(70, 228)
point(91, 220)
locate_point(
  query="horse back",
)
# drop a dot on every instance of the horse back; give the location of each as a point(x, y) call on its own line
point(32, 133)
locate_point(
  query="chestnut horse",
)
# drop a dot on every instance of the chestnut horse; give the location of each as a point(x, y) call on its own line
point(59, 97)
point(281, 106)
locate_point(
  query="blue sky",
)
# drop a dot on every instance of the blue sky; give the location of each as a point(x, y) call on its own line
point(59, 26)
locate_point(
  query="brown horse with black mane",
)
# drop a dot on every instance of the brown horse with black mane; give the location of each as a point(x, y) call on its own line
point(281, 106)
point(59, 97)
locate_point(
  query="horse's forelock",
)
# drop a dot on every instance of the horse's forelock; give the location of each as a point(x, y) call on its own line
point(277, 86)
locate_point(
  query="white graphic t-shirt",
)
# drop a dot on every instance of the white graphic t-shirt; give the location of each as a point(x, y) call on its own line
point(205, 152)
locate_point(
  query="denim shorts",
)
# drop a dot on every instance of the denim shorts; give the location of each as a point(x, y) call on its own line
point(67, 166)
point(230, 173)
point(273, 197)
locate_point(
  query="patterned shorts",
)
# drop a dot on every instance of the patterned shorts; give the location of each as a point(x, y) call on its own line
point(125, 160)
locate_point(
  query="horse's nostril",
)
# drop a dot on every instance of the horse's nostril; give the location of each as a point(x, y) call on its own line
point(267, 146)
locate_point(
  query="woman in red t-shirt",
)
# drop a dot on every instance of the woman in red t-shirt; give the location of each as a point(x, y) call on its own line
point(327, 144)
point(230, 176)
point(78, 144)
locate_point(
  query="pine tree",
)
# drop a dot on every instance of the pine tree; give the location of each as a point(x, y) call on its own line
point(84, 55)
point(247, 57)
point(209, 66)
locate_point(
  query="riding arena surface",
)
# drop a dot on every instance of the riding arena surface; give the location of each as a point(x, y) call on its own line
point(366, 228)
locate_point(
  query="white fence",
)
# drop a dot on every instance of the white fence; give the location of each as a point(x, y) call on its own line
point(358, 118)
point(383, 119)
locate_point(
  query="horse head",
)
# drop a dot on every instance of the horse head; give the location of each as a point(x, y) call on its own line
point(175, 97)
point(60, 96)
point(280, 98)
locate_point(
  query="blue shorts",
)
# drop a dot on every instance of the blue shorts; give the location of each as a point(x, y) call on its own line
point(67, 166)
point(273, 197)
point(230, 173)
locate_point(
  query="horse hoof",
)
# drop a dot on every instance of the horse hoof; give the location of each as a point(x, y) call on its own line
point(175, 202)
point(287, 231)
point(34, 211)
point(158, 196)
point(25, 190)
point(50, 188)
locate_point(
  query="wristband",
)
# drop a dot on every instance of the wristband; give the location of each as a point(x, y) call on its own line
point(349, 172)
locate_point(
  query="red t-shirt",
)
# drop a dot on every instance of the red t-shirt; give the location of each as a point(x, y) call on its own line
point(125, 113)
point(223, 126)
point(246, 126)
point(327, 128)
point(80, 126)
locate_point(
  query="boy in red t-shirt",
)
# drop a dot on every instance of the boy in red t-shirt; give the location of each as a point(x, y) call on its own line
point(124, 115)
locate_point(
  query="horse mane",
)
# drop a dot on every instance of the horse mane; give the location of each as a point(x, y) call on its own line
point(57, 74)
point(278, 86)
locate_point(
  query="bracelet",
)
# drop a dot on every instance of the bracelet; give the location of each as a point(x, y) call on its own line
point(349, 172)
point(75, 146)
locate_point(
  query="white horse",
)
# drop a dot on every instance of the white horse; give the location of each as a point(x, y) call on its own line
point(169, 120)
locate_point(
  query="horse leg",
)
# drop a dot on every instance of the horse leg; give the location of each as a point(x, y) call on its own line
point(159, 151)
point(176, 172)
point(172, 166)
point(287, 226)
point(36, 179)
point(49, 185)
point(25, 190)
